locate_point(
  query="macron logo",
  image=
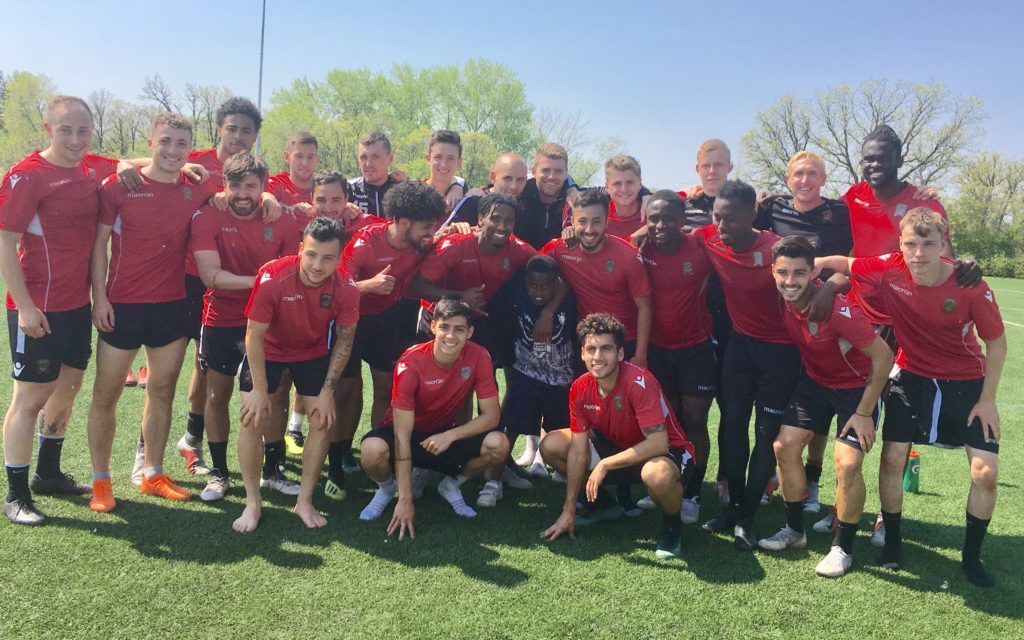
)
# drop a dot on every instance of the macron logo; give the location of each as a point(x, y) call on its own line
point(989, 296)
point(845, 312)
point(640, 381)
point(358, 243)
point(266, 276)
point(401, 368)
point(18, 368)
point(14, 180)
point(896, 287)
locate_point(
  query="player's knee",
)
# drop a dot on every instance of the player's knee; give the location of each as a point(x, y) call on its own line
point(161, 389)
point(554, 444)
point(787, 447)
point(984, 475)
point(373, 452)
point(849, 470)
point(659, 475)
point(496, 446)
point(893, 459)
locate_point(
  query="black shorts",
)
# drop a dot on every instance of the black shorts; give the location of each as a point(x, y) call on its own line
point(377, 342)
point(888, 334)
point(221, 349)
point(690, 371)
point(606, 448)
point(528, 402)
point(193, 320)
point(813, 406)
point(153, 324)
point(763, 373)
point(308, 375)
point(68, 343)
point(449, 463)
point(928, 411)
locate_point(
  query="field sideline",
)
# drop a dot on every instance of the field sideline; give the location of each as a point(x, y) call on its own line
point(157, 569)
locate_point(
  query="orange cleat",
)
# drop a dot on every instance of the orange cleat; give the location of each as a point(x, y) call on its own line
point(143, 377)
point(162, 486)
point(129, 380)
point(102, 496)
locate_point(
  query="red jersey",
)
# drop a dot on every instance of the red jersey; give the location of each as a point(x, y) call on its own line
point(359, 222)
point(680, 284)
point(303, 320)
point(458, 263)
point(282, 187)
point(751, 298)
point(831, 349)
point(436, 393)
point(55, 209)
point(607, 281)
point(636, 403)
point(934, 324)
point(208, 158)
point(149, 240)
point(367, 253)
point(622, 228)
point(244, 246)
point(875, 224)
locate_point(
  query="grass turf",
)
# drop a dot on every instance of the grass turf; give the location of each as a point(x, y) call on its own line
point(159, 569)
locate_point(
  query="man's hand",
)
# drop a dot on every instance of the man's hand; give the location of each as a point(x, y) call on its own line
point(454, 228)
point(820, 308)
point(988, 413)
point(544, 327)
point(476, 191)
point(307, 209)
point(381, 284)
point(595, 480)
point(220, 200)
point(128, 175)
point(402, 519)
point(474, 297)
point(639, 237)
point(566, 523)
point(569, 237)
point(272, 209)
point(255, 405)
point(455, 193)
point(438, 443)
point(926, 193)
point(968, 273)
point(863, 427)
point(33, 322)
point(322, 414)
point(103, 315)
point(195, 172)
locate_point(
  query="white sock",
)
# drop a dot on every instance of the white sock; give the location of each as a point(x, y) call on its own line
point(295, 423)
point(387, 486)
point(532, 444)
point(155, 470)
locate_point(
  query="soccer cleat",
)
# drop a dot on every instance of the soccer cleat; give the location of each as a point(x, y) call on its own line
point(216, 488)
point(878, 537)
point(510, 477)
point(193, 456)
point(811, 502)
point(349, 464)
point(591, 516)
point(689, 511)
point(835, 564)
point(722, 491)
point(334, 491)
point(769, 491)
point(722, 522)
point(162, 486)
point(129, 380)
point(784, 538)
point(891, 558)
point(60, 484)
point(294, 442)
point(538, 470)
point(827, 524)
point(102, 496)
point(558, 478)
point(744, 538)
point(452, 493)
point(670, 544)
point(419, 482)
point(647, 503)
point(380, 501)
point(489, 494)
point(280, 483)
point(139, 465)
point(977, 574)
point(143, 377)
point(22, 511)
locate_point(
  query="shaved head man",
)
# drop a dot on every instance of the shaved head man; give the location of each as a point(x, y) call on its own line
point(508, 175)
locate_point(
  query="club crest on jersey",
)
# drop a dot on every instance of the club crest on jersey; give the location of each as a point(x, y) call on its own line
point(609, 266)
point(326, 300)
point(758, 259)
point(826, 216)
point(187, 192)
point(812, 328)
point(505, 264)
point(688, 267)
point(268, 233)
point(618, 403)
point(43, 366)
point(949, 305)
point(901, 210)
point(465, 372)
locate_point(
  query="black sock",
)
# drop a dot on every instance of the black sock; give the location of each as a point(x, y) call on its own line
point(273, 454)
point(845, 532)
point(813, 471)
point(219, 458)
point(347, 443)
point(976, 528)
point(48, 465)
point(17, 482)
point(693, 487)
point(196, 425)
point(671, 522)
point(335, 453)
point(795, 515)
point(893, 536)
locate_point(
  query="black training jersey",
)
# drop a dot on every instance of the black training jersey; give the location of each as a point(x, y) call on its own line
point(698, 211)
point(827, 226)
point(369, 197)
point(539, 222)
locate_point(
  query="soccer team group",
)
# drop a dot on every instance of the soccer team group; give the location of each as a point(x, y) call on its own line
point(617, 315)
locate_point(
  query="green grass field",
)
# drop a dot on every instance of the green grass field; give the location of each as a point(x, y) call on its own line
point(154, 569)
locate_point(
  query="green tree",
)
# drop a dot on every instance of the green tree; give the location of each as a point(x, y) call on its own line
point(987, 217)
point(26, 95)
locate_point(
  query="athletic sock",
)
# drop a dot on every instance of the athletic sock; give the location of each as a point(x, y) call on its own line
point(693, 487)
point(347, 444)
point(460, 480)
point(100, 475)
point(219, 458)
point(893, 536)
point(17, 481)
point(155, 470)
point(671, 522)
point(48, 465)
point(335, 452)
point(273, 454)
point(196, 425)
point(813, 471)
point(795, 515)
point(389, 485)
point(976, 528)
point(295, 422)
point(845, 532)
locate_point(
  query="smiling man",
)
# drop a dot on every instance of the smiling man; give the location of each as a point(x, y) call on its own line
point(294, 186)
point(543, 197)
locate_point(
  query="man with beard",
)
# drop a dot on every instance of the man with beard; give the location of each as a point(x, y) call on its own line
point(544, 196)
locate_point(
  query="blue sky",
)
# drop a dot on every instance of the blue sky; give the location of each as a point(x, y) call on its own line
point(661, 75)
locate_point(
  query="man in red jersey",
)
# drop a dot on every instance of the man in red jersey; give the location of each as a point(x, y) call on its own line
point(302, 318)
point(294, 186)
point(845, 369)
point(230, 247)
point(432, 381)
point(761, 364)
point(943, 388)
point(48, 212)
point(626, 191)
point(682, 355)
point(139, 301)
point(621, 430)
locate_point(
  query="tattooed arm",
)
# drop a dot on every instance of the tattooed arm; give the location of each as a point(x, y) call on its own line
point(322, 413)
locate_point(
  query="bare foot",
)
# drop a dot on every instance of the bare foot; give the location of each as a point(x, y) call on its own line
point(309, 516)
point(248, 520)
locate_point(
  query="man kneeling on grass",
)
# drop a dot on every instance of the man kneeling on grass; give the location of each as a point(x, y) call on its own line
point(432, 381)
point(299, 305)
point(622, 430)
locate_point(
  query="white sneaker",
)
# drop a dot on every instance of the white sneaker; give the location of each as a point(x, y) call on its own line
point(216, 488)
point(835, 564)
point(538, 470)
point(689, 512)
point(514, 480)
point(647, 503)
point(878, 537)
point(811, 502)
point(380, 501)
point(489, 494)
point(826, 524)
point(280, 483)
point(140, 464)
point(558, 478)
point(419, 481)
point(786, 537)
point(450, 491)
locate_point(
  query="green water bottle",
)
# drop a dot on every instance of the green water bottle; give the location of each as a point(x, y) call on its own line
point(912, 476)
